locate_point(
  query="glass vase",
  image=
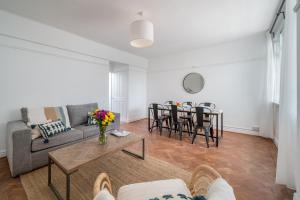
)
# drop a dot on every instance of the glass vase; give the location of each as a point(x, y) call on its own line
point(102, 135)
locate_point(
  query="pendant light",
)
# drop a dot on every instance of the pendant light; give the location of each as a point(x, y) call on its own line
point(141, 33)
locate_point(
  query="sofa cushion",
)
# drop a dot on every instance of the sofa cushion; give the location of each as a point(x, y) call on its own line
point(154, 189)
point(58, 113)
point(32, 116)
point(53, 128)
point(63, 138)
point(41, 115)
point(88, 131)
point(78, 113)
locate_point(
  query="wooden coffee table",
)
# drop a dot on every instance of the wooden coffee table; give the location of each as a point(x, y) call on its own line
point(69, 159)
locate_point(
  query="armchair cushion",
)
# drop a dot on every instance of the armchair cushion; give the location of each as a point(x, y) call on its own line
point(220, 190)
point(154, 190)
point(104, 195)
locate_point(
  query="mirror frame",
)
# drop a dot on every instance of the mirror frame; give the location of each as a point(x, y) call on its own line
point(186, 76)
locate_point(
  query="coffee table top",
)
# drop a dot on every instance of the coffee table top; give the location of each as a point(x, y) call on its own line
point(70, 158)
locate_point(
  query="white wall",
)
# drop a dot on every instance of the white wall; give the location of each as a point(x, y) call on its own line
point(42, 65)
point(297, 194)
point(233, 74)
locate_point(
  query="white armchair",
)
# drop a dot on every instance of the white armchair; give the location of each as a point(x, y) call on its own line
point(205, 181)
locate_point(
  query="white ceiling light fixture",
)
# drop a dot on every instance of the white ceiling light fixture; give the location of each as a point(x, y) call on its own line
point(141, 33)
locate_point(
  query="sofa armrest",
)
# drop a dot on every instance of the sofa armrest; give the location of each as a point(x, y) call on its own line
point(18, 147)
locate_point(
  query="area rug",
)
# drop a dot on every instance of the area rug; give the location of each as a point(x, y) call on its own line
point(121, 168)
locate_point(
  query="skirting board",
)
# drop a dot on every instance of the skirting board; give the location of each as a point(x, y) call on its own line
point(2, 153)
point(240, 130)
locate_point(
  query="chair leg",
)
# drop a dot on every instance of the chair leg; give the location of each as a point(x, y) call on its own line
point(170, 129)
point(160, 122)
point(194, 136)
point(167, 122)
point(152, 126)
point(212, 133)
point(180, 131)
point(207, 137)
point(191, 127)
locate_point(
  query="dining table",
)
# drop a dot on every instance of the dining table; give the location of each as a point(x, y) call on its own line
point(217, 113)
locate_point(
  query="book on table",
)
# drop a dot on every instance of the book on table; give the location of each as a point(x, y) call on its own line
point(120, 133)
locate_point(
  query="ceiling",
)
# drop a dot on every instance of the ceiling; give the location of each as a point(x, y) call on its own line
point(179, 25)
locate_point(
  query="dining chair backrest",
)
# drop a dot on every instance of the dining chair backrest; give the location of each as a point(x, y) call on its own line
point(169, 103)
point(155, 111)
point(199, 116)
point(200, 111)
point(155, 107)
point(174, 113)
point(208, 104)
point(189, 103)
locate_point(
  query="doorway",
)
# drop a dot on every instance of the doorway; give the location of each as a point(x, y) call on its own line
point(119, 89)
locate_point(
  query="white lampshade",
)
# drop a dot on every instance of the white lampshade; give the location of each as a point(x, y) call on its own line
point(141, 33)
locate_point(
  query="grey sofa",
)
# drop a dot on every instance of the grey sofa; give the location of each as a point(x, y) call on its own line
point(25, 154)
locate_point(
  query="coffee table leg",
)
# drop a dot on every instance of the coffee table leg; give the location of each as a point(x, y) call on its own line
point(143, 141)
point(49, 171)
point(52, 187)
point(136, 155)
point(68, 186)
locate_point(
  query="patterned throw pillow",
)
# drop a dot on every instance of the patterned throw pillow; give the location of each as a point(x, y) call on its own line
point(172, 197)
point(91, 120)
point(52, 128)
point(178, 197)
point(199, 198)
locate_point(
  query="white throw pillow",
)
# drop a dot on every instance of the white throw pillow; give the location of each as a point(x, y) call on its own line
point(104, 195)
point(35, 133)
point(36, 116)
point(220, 190)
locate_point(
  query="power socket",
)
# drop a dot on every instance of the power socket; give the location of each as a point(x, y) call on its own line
point(255, 128)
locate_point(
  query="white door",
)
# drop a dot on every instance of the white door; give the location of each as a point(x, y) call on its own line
point(119, 91)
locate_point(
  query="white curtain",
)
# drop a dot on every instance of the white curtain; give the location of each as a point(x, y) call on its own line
point(287, 144)
point(297, 194)
point(267, 111)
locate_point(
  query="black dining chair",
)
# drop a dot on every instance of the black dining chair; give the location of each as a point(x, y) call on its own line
point(158, 120)
point(212, 106)
point(188, 115)
point(177, 122)
point(167, 112)
point(207, 127)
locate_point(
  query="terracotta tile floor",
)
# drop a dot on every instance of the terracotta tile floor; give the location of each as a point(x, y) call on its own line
point(246, 162)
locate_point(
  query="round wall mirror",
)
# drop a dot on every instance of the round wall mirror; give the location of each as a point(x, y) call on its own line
point(193, 83)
